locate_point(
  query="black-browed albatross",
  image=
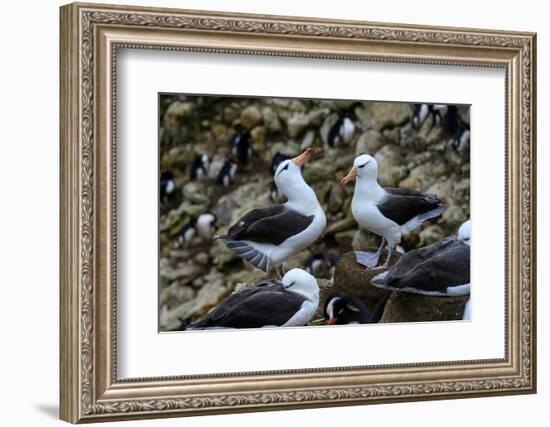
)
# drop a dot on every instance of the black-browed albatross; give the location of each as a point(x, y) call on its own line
point(289, 302)
point(266, 237)
point(387, 212)
point(440, 269)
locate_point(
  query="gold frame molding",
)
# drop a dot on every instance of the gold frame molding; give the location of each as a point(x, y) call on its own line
point(90, 36)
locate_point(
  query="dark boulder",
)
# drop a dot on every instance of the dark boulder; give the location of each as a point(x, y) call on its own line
point(407, 307)
point(351, 278)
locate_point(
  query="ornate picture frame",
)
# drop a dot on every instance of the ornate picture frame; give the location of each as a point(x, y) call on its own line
point(90, 37)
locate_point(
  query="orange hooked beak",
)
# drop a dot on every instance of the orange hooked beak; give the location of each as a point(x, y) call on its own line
point(302, 158)
point(349, 177)
point(331, 321)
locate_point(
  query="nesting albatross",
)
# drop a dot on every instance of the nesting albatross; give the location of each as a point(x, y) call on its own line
point(440, 269)
point(266, 237)
point(387, 212)
point(289, 302)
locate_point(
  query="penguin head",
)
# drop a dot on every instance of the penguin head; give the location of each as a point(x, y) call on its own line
point(344, 310)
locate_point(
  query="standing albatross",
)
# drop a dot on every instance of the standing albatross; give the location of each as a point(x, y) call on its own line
point(440, 269)
point(388, 212)
point(266, 237)
point(289, 302)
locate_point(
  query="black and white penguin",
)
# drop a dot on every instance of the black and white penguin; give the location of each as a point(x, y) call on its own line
point(199, 167)
point(226, 176)
point(456, 129)
point(292, 301)
point(341, 132)
point(239, 145)
point(167, 185)
point(332, 259)
point(206, 225)
point(342, 309)
point(186, 233)
point(388, 212)
point(315, 264)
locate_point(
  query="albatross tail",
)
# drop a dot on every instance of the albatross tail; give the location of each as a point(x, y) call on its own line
point(247, 252)
point(420, 219)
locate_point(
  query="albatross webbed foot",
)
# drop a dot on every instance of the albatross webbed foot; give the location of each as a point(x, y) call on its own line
point(387, 262)
point(367, 259)
point(370, 259)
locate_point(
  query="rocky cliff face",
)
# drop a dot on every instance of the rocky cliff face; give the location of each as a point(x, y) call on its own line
point(196, 276)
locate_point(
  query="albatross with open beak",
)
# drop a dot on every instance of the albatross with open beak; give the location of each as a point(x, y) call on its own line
point(387, 212)
point(266, 237)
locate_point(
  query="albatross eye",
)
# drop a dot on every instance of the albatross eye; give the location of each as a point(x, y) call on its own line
point(364, 164)
point(291, 285)
point(284, 168)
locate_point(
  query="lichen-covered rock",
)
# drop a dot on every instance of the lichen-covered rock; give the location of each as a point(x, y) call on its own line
point(320, 171)
point(391, 168)
point(271, 119)
point(251, 116)
point(207, 297)
point(258, 135)
point(407, 307)
point(351, 278)
point(369, 143)
point(387, 114)
point(297, 124)
point(176, 113)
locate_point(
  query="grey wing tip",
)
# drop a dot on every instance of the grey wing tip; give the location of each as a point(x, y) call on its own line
point(380, 279)
point(432, 213)
point(248, 253)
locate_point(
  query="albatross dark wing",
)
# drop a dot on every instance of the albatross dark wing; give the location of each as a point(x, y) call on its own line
point(432, 268)
point(266, 304)
point(402, 205)
point(273, 225)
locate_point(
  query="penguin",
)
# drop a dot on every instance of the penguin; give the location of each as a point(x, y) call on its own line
point(199, 167)
point(330, 264)
point(226, 176)
point(239, 145)
point(206, 225)
point(456, 129)
point(341, 132)
point(186, 233)
point(167, 185)
point(315, 264)
point(342, 309)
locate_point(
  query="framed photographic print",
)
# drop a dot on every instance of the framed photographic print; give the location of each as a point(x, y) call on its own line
point(265, 212)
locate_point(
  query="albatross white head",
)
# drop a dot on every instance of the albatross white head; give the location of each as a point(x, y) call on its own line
point(365, 168)
point(288, 177)
point(464, 232)
point(303, 283)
